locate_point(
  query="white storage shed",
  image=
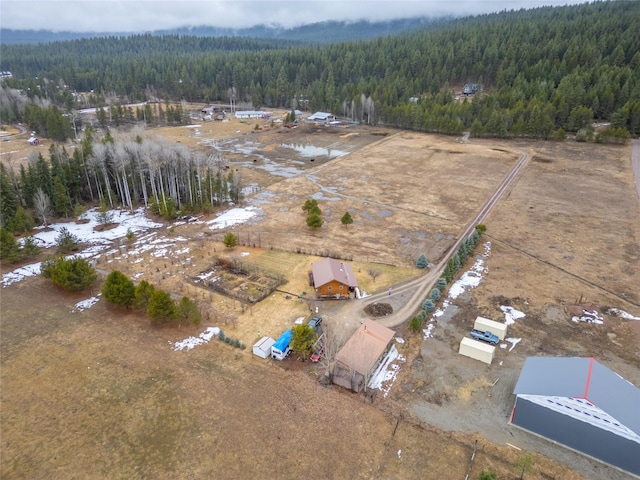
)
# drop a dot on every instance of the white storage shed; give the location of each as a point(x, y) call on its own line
point(497, 328)
point(477, 350)
point(263, 347)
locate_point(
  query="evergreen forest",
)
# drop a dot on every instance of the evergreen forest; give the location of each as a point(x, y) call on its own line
point(543, 72)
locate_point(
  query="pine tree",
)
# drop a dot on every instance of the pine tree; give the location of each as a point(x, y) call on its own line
point(161, 307)
point(422, 262)
point(303, 339)
point(61, 198)
point(119, 289)
point(142, 295)
point(9, 249)
point(346, 219)
point(23, 221)
point(72, 274)
point(314, 220)
point(8, 201)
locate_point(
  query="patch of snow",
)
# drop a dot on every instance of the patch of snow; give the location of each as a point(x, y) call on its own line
point(428, 332)
point(234, 216)
point(511, 314)
point(244, 254)
point(84, 304)
point(399, 453)
point(192, 342)
point(299, 321)
point(209, 333)
point(503, 345)
point(20, 274)
point(400, 340)
point(621, 313)
point(361, 293)
point(513, 341)
point(472, 277)
point(97, 242)
point(588, 317)
point(387, 371)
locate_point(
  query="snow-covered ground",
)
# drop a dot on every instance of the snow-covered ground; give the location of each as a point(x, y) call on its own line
point(234, 216)
point(192, 342)
point(135, 222)
point(96, 242)
point(511, 314)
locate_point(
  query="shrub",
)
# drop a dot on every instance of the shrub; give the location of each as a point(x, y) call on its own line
point(441, 283)
point(67, 241)
point(221, 336)
point(429, 305)
point(72, 274)
point(230, 240)
point(435, 294)
point(487, 475)
point(415, 324)
point(30, 247)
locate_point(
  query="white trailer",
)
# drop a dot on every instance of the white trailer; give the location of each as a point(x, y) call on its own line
point(263, 347)
point(497, 328)
point(477, 350)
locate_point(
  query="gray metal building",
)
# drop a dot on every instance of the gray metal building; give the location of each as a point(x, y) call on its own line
point(583, 405)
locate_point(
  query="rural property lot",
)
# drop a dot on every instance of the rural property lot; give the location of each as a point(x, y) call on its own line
point(100, 393)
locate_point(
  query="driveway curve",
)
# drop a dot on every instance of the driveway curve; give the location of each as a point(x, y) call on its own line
point(416, 291)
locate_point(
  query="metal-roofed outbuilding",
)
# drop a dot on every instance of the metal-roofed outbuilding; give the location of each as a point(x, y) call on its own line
point(583, 405)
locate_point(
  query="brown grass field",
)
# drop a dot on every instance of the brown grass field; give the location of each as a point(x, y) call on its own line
point(102, 394)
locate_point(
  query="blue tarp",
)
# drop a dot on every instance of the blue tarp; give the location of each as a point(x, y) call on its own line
point(283, 342)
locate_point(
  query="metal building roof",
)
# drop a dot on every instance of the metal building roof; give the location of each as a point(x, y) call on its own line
point(582, 378)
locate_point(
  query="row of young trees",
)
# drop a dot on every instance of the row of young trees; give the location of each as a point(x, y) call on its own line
point(120, 290)
point(126, 171)
point(453, 266)
point(542, 70)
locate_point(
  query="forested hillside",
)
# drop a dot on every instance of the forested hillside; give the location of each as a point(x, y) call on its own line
point(321, 32)
point(543, 72)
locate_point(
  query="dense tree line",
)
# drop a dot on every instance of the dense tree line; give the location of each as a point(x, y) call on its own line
point(543, 71)
point(126, 172)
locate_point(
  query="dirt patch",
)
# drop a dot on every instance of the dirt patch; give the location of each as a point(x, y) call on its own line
point(378, 309)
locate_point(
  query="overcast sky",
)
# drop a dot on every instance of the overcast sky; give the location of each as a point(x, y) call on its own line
point(149, 15)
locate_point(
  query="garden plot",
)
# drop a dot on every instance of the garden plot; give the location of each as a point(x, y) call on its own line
point(238, 280)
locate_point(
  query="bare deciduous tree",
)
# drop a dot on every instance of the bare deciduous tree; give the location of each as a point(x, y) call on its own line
point(374, 274)
point(42, 206)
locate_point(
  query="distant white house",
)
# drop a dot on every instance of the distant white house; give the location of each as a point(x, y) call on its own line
point(252, 114)
point(34, 141)
point(322, 117)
